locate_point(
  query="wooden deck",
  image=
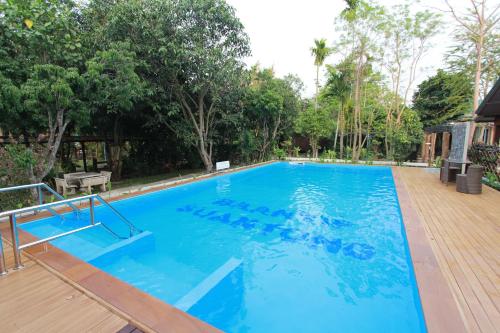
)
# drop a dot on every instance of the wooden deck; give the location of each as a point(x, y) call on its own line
point(33, 299)
point(464, 233)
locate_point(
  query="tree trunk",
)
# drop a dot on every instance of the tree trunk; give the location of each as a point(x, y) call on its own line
point(116, 151)
point(314, 147)
point(342, 125)
point(477, 78)
point(337, 128)
point(317, 88)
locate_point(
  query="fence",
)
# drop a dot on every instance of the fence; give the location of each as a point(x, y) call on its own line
point(486, 156)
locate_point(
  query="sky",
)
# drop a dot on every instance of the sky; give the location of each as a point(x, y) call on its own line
point(282, 33)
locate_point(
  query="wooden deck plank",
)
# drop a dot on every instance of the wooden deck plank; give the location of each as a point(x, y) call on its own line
point(464, 232)
point(35, 300)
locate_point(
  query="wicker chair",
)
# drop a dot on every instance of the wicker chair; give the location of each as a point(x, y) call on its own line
point(449, 172)
point(471, 181)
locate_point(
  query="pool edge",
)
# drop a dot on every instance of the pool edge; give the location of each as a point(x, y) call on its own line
point(440, 309)
point(147, 312)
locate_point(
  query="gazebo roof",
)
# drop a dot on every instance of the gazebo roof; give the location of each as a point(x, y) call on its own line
point(490, 106)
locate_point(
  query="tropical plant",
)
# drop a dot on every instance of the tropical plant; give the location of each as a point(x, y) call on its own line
point(315, 125)
point(320, 51)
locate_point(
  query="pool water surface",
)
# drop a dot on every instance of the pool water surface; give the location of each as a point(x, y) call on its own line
point(278, 248)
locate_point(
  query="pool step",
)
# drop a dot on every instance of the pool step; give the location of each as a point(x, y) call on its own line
point(142, 240)
point(204, 287)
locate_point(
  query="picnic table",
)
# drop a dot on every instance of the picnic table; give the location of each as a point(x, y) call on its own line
point(84, 180)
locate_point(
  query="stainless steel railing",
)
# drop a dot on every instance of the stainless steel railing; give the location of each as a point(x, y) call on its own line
point(40, 187)
point(12, 215)
point(3, 267)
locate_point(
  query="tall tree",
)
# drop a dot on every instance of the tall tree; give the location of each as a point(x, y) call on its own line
point(477, 24)
point(40, 52)
point(339, 85)
point(359, 25)
point(320, 51)
point(114, 88)
point(443, 97)
point(315, 125)
point(270, 106)
point(407, 38)
point(53, 96)
point(210, 43)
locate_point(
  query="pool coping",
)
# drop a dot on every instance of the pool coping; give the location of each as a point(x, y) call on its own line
point(440, 309)
point(151, 314)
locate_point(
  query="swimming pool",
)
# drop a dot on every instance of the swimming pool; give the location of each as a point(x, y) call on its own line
point(277, 248)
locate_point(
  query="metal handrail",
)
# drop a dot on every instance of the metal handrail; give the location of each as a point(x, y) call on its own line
point(39, 186)
point(3, 267)
point(45, 205)
point(132, 227)
point(48, 206)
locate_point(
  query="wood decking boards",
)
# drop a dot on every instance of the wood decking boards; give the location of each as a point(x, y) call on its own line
point(35, 300)
point(464, 232)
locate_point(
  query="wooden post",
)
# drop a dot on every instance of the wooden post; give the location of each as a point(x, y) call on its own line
point(425, 148)
point(445, 148)
point(433, 147)
point(84, 156)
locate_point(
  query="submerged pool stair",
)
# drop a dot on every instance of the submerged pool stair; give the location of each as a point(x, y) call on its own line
point(205, 286)
point(40, 188)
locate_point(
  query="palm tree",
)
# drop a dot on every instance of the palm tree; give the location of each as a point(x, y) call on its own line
point(320, 51)
point(338, 85)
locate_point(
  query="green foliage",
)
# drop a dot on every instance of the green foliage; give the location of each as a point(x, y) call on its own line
point(407, 135)
point(296, 151)
point(320, 51)
point(329, 154)
point(443, 97)
point(315, 125)
point(279, 153)
point(50, 89)
point(15, 160)
point(269, 107)
point(112, 83)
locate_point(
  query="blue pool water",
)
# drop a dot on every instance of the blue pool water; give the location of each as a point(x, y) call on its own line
point(278, 248)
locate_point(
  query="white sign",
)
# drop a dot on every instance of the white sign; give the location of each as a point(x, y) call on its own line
point(222, 165)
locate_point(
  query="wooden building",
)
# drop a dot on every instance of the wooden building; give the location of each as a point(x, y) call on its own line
point(488, 113)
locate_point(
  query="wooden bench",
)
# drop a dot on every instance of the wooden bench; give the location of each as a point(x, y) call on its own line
point(63, 187)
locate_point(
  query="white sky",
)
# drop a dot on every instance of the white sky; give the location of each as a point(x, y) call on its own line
point(282, 33)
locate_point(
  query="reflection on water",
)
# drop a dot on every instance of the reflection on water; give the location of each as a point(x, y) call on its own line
point(322, 249)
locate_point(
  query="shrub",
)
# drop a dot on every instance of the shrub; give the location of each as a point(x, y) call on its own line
point(279, 153)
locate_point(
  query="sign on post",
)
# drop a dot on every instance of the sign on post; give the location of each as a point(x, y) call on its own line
point(222, 165)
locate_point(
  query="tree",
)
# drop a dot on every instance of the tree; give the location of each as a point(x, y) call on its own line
point(270, 106)
point(320, 51)
point(52, 96)
point(359, 26)
point(315, 125)
point(477, 25)
point(443, 97)
point(210, 41)
point(407, 38)
point(113, 88)
point(339, 86)
point(40, 51)
point(407, 136)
